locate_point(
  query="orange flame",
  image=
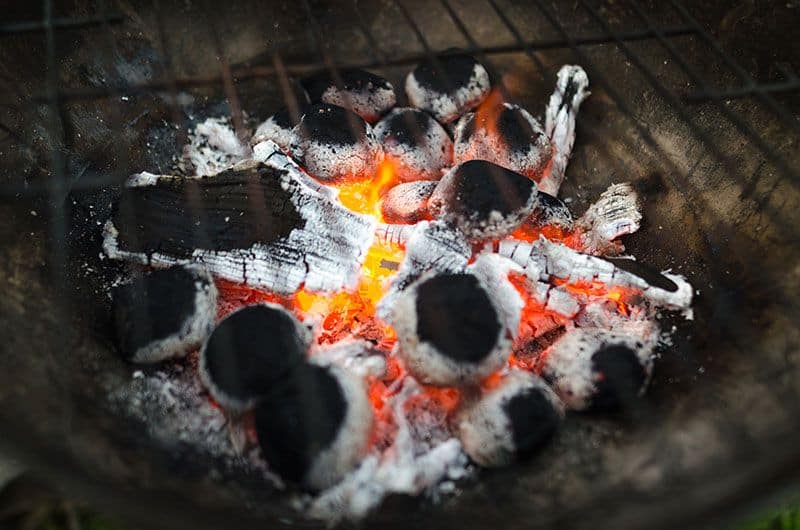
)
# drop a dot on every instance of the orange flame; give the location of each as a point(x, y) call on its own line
point(365, 196)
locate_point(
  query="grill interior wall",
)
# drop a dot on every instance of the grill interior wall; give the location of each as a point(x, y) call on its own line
point(725, 396)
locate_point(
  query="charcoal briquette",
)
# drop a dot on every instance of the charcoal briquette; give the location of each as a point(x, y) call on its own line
point(407, 203)
point(279, 128)
point(335, 145)
point(417, 145)
point(511, 421)
point(315, 427)
point(368, 95)
point(450, 329)
point(164, 314)
point(448, 86)
point(507, 135)
point(483, 200)
point(251, 353)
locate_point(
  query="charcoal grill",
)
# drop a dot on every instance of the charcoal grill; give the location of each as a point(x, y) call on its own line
point(96, 91)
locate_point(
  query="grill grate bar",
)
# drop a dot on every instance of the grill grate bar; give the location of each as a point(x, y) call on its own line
point(242, 73)
point(34, 26)
point(702, 96)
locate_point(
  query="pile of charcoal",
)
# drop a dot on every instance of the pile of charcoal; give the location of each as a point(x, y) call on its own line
point(501, 312)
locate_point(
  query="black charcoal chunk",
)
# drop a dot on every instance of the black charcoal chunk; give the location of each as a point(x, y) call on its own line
point(368, 95)
point(651, 276)
point(250, 353)
point(448, 86)
point(407, 203)
point(451, 330)
point(596, 369)
point(334, 145)
point(483, 200)
point(315, 428)
point(164, 314)
point(506, 135)
point(417, 145)
point(510, 422)
point(620, 377)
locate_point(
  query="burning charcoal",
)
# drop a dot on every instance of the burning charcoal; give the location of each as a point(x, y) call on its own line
point(561, 114)
point(593, 369)
point(251, 351)
point(335, 145)
point(483, 199)
point(264, 224)
point(511, 421)
point(448, 86)
point(408, 202)
point(507, 135)
point(417, 145)
point(365, 93)
point(450, 329)
point(164, 314)
point(551, 211)
point(314, 427)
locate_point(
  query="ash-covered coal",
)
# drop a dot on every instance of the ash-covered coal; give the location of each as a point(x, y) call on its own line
point(483, 200)
point(417, 144)
point(407, 203)
point(335, 145)
point(368, 95)
point(448, 85)
point(278, 128)
point(164, 314)
point(506, 135)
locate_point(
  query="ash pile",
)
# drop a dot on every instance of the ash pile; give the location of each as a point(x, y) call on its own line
point(367, 299)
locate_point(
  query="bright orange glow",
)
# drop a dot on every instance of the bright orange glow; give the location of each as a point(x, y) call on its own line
point(365, 196)
point(616, 294)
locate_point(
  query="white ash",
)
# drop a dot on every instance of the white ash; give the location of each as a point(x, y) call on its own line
point(369, 104)
point(445, 104)
point(546, 260)
point(407, 202)
point(213, 147)
point(492, 270)
point(276, 130)
point(325, 255)
point(394, 234)
point(568, 362)
point(513, 139)
point(614, 214)
point(358, 357)
point(485, 428)
point(418, 145)
point(560, 118)
point(406, 467)
point(269, 151)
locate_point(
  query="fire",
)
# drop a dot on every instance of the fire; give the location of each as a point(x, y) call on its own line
point(616, 294)
point(365, 196)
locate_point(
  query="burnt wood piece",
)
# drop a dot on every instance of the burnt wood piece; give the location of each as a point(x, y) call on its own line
point(315, 427)
point(368, 95)
point(250, 354)
point(483, 200)
point(418, 147)
point(510, 422)
point(334, 145)
point(450, 329)
point(507, 135)
point(448, 86)
point(407, 203)
point(164, 314)
point(260, 224)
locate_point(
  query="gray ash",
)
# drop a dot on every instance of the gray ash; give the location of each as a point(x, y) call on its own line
point(407, 203)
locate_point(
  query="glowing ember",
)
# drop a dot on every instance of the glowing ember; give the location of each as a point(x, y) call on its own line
point(365, 196)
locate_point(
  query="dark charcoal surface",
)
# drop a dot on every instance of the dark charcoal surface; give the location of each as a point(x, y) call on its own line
point(651, 276)
point(408, 127)
point(353, 80)
point(622, 377)
point(447, 74)
point(231, 210)
point(253, 350)
point(550, 210)
point(153, 307)
point(455, 314)
point(533, 419)
point(299, 420)
point(332, 125)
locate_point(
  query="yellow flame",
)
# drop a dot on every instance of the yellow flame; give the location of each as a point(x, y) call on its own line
point(365, 196)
